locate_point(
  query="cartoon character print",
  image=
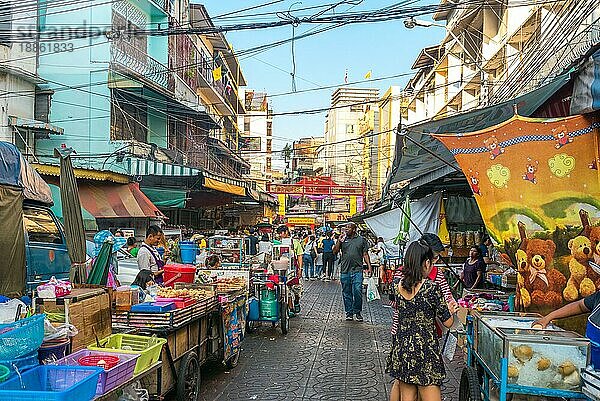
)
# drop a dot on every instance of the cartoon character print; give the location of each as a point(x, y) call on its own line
point(493, 146)
point(561, 137)
point(532, 167)
point(474, 182)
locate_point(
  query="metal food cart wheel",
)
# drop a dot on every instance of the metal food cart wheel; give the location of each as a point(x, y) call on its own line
point(188, 378)
point(285, 320)
point(469, 385)
point(234, 360)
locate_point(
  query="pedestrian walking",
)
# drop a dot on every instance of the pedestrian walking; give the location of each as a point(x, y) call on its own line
point(308, 258)
point(354, 250)
point(415, 360)
point(328, 256)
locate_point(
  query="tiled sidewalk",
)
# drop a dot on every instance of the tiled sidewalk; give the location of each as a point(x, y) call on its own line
point(323, 357)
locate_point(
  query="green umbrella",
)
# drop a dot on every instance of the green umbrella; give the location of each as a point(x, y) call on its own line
point(404, 228)
point(99, 273)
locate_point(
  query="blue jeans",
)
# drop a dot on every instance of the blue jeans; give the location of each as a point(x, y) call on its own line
point(352, 283)
point(309, 266)
point(318, 270)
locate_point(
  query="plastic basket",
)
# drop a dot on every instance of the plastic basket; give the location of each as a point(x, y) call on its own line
point(21, 337)
point(21, 364)
point(104, 361)
point(110, 378)
point(4, 373)
point(52, 383)
point(149, 348)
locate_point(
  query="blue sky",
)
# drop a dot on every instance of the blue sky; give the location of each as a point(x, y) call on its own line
point(386, 48)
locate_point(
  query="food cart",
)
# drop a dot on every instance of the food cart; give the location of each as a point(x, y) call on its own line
point(231, 251)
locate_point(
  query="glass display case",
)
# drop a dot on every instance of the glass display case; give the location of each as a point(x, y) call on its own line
point(550, 359)
point(536, 358)
point(230, 250)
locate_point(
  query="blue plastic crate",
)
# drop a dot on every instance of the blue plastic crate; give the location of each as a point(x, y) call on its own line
point(21, 337)
point(52, 383)
point(148, 307)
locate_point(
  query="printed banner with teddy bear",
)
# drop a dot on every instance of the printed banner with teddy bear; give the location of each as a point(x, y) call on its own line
point(537, 186)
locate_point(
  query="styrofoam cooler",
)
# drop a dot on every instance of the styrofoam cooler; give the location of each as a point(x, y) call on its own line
point(111, 378)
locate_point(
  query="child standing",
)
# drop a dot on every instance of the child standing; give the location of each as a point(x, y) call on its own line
point(415, 361)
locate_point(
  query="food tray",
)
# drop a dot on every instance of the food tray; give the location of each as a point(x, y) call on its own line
point(52, 383)
point(149, 348)
point(180, 303)
point(157, 307)
point(111, 378)
point(164, 321)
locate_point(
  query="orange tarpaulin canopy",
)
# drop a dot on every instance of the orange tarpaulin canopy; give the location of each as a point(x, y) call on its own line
point(224, 187)
point(116, 201)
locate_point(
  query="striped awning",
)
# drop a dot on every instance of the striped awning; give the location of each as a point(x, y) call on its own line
point(105, 200)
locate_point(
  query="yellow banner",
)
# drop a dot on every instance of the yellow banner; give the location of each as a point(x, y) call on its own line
point(301, 221)
point(537, 186)
point(281, 198)
point(353, 208)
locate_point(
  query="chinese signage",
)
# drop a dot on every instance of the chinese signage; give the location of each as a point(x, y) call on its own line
point(301, 221)
point(295, 189)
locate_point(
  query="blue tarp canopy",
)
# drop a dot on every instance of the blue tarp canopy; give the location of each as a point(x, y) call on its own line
point(16, 172)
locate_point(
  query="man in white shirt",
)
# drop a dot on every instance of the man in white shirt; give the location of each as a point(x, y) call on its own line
point(148, 257)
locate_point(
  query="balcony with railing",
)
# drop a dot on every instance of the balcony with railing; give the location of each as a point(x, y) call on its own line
point(138, 63)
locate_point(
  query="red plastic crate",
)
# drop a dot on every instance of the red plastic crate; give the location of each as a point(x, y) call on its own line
point(178, 273)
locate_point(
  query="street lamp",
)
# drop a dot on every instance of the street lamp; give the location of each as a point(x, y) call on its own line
point(411, 22)
point(293, 73)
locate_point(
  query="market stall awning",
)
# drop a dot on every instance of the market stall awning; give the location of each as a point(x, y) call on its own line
point(222, 186)
point(166, 197)
point(429, 154)
point(89, 221)
point(97, 175)
point(117, 201)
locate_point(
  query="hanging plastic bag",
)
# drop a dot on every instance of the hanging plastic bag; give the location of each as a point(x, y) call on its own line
point(372, 291)
point(134, 392)
point(61, 332)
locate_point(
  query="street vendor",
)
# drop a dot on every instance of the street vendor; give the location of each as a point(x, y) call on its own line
point(148, 257)
point(584, 305)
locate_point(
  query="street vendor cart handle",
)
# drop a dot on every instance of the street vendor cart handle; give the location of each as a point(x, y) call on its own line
point(169, 281)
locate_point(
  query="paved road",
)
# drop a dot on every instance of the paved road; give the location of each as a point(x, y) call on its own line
point(323, 357)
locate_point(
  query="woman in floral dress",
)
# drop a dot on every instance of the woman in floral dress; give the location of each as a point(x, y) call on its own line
point(415, 360)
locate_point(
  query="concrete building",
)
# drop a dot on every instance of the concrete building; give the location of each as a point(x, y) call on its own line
point(343, 161)
point(305, 160)
point(160, 110)
point(24, 105)
point(257, 136)
point(495, 52)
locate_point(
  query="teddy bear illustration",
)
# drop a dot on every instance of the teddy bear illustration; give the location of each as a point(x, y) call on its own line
point(532, 167)
point(545, 282)
point(474, 182)
point(493, 146)
point(579, 284)
point(593, 233)
point(562, 138)
point(523, 285)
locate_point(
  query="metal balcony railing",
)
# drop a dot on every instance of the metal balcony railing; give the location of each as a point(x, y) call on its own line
point(140, 63)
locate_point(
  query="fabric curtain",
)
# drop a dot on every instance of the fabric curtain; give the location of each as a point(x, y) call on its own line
point(12, 241)
point(71, 206)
